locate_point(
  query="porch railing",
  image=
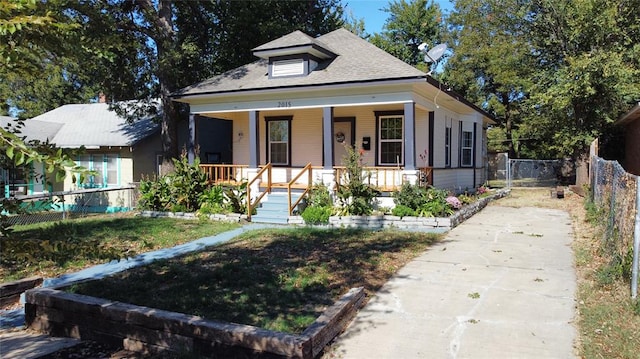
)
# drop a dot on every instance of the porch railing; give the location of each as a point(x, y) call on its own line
point(387, 179)
point(225, 174)
point(252, 204)
point(308, 168)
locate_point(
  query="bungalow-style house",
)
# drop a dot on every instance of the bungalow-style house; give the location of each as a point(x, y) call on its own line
point(294, 110)
point(631, 123)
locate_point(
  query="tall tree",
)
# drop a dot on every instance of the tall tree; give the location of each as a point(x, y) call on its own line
point(492, 60)
point(409, 24)
point(587, 70)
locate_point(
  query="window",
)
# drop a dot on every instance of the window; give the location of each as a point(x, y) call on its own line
point(447, 147)
point(106, 167)
point(278, 143)
point(466, 149)
point(390, 140)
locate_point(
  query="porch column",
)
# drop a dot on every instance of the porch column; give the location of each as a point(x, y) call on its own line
point(409, 137)
point(327, 176)
point(191, 144)
point(327, 138)
point(254, 152)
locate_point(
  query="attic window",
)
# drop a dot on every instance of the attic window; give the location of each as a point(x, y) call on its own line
point(290, 67)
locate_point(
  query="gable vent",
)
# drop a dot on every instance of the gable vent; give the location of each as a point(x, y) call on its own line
point(292, 67)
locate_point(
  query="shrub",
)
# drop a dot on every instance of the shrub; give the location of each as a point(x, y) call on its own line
point(410, 196)
point(355, 196)
point(319, 196)
point(316, 215)
point(403, 211)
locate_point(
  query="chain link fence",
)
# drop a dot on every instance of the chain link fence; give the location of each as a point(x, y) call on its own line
point(615, 193)
point(57, 206)
point(507, 172)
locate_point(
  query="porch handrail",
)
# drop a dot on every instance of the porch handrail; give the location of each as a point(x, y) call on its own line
point(250, 205)
point(309, 170)
point(223, 173)
point(387, 178)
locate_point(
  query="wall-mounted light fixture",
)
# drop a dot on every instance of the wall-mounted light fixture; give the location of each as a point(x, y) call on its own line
point(240, 135)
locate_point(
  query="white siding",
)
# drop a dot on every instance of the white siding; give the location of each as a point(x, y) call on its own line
point(241, 145)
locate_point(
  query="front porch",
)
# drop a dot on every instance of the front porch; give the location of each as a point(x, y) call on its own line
point(384, 179)
point(298, 181)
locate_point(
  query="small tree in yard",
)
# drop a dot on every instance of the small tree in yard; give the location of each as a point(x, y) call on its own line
point(355, 196)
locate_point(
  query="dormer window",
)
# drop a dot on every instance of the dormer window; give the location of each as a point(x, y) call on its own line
point(290, 67)
point(296, 54)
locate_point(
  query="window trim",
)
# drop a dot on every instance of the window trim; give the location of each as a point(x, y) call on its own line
point(463, 148)
point(102, 159)
point(447, 146)
point(268, 141)
point(379, 116)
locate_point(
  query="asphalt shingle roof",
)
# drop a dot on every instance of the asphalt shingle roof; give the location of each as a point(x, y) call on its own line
point(357, 61)
point(92, 124)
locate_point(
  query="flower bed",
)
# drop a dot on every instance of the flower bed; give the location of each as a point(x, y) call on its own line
point(408, 222)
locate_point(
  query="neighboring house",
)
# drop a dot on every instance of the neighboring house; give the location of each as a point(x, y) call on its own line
point(120, 152)
point(631, 124)
point(308, 97)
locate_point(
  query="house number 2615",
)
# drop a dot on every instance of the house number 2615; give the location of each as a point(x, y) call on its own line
point(284, 104)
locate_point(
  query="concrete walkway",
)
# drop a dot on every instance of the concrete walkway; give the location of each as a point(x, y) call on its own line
point(500, 285)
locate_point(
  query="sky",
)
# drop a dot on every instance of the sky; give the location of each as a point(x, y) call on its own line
point(374, 17)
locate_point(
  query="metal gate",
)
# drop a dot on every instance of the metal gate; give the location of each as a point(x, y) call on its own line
point(506, 172)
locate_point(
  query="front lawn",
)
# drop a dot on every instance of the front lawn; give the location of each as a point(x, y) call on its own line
point(275, 279)
point(53, 248)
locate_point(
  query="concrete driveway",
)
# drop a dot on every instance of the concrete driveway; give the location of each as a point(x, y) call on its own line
point(501, 285)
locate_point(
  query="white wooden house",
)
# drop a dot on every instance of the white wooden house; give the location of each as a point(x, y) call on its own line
point(295, 108)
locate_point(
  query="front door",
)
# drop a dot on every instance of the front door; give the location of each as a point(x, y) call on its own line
point(343, 135)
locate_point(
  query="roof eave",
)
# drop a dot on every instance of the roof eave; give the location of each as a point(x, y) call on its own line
point(632, 115)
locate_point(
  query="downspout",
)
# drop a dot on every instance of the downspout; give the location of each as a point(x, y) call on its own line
point(636, 244)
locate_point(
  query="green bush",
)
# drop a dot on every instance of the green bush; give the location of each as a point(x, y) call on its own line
point(319, 196)
point(403, 211)
point(355, 196)
point(410, 196)
point(425, 202)
point(316, 215)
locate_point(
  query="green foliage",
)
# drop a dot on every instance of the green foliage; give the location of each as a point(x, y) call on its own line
point(410, 196)
point(155, 195)
point(237, 197)
point(401, 210)
point(424, 202)
point(319, 196)
point(355, 196)
point(188, 183)
point(316, 214)
point(410, 23)
point(212, 201)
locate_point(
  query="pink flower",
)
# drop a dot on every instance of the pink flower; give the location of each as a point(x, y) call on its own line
point(454, 202)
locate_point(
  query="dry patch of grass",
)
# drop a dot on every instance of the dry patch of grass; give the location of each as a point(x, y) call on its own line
point(275, 279)
point(608, 321)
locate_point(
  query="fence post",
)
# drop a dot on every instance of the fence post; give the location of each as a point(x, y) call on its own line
point(636, 244)
point(508, 164)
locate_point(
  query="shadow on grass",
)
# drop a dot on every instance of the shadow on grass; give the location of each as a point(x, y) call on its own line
point(275, 279)
point(55, 246)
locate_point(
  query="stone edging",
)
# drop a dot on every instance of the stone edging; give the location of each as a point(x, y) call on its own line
point(409, 222)
point(230, 217)
point(145, 329)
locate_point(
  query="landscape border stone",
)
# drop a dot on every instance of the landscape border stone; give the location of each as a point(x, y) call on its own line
point(142, 329)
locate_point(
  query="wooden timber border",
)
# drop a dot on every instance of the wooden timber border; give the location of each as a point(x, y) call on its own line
point(10, 292)
point(149, 330)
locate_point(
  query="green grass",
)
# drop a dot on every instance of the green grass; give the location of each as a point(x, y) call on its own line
point(274, 279)
point(54, 248)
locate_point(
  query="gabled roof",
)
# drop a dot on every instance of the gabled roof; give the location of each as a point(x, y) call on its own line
point(294, 43)
point(356, 61)
point(89, 125)
point(632, 115)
